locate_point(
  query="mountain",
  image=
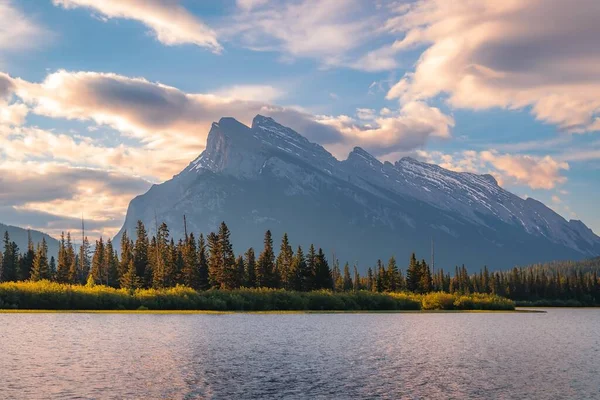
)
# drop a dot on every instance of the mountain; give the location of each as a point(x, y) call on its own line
point(268, 176)
point(20, 237)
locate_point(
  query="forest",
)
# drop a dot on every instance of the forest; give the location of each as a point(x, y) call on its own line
point(208, 263)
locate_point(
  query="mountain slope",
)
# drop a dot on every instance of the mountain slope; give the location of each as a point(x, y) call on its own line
point(267, 176)
point(20, 237)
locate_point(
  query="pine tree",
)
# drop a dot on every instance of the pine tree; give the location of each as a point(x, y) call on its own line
point(203, 279)
point(190, 273)
point(371, 287)
point(71, 260)
point(62, 268)
point(227, 267)
point(425, 278)
point(52, 268)
point(41, 268)
point(161, 257)
point(112, 265)
point(241, 272)
point(311, 270)
point(141, 256)
point(323, 278)
point(298, 271)
point(126, 256)
point(10, 260)
point(356, 283)
point(130, 280)
point(214, 260)
point(413, 274)
point(347, 279)
point(99, 264)
point(250, 264)
point(27, 261)
point(265, 263)
point(336, 276)
point(380, 278)
point(394, 282)
point(84, 261)
point(284, 263)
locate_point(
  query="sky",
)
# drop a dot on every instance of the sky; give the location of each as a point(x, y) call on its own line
point(101, 99)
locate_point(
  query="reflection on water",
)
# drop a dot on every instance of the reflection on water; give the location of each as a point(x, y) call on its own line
point(546, 356)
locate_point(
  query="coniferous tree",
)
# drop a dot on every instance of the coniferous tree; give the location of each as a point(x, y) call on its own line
point(284, 263)
point(27, 260)
point(126, 255)
point(141, 256)
point(203, 278)
point(337, 278)
point(71, 260)
point(214, 260)
point(85, 263)
point(311, 269)
point(41, 267)
point(250, 264)
point(227, 267)
point(356, 284)
point(371, 287)
point(347, 279)
point(298, 271)
point(265, 263)
point(240, 273)
point(161, 258)
point(52, 268)
point(63, 265)
point(10, 260)
point(99, 264)
point(190, 272)
point(413, 274)
point(424, 278)
point(323, 278)
point(112, 265)
point(130, 280)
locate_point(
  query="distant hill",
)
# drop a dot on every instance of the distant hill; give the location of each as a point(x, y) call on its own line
point(20, 236)
point(267, 176)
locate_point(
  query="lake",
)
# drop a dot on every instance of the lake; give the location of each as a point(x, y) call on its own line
point(551, 355)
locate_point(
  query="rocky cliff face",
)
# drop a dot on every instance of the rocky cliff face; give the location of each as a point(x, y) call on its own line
point(268, 176)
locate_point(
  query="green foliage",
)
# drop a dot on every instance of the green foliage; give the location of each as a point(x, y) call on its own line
point(45, 294)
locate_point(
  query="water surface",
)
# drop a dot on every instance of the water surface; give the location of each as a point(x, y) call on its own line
point(339, 356)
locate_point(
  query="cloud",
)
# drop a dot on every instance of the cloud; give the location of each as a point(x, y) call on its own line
point(263, 93)
point(60, 191)
point(389, 132)
point(334, 32)
point(540, 55)
point(536, 172)
point(19, 30)
point(170, 22)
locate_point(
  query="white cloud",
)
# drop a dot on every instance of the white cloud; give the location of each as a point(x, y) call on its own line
point(535, 172)
point(250, 4)
point(18, 31)
point(513, 54)
point(170, 22)
point(263, 93)
point(334, 32)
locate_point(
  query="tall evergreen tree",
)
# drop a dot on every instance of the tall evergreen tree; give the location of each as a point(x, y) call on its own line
point(203, 278)
point(284, 263)
point(265, 263)
point(99, 264)
point(112, 265)
point(413, 274)
point(347, 279)
point(250, 264)
point(298, 271)
point(141, 256)
point(394, 276)
point(214, 260)
point(227, 266)
point(130, 280)
point(311, 270)
point(63, 265)
point(190, 273)
point(323, 278)
point(41, 267)
point(10, 260)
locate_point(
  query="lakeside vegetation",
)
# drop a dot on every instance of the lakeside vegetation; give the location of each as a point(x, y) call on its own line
point(206, 274)
point(46, 295)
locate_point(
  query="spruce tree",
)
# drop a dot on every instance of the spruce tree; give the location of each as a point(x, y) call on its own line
point(99, 264)
point(226, 277)
point(190, 273)
point(126, 255)
point(356, 283)
point(425, 278)
point(10, 260)
point(214, 260)
point(141, 254)
point(298, 271)
point(413, 274)
point(394, 276)
point(62, 268)
point(323, 278)
point(130, 280)
point(347, 279)
point(250, 263)
point(84, 261)
point(112, 265)
point(203, 278)
point(52, 268)
point(41, 268)
point(265, 263)
point(71, 260)
point(311, 270)
point(241, 272)
point(284, 263)
point(27, 260)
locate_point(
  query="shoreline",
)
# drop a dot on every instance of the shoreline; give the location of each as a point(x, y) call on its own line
point(211, 312)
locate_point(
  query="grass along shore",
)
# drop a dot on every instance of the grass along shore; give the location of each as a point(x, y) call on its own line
point(46, 295)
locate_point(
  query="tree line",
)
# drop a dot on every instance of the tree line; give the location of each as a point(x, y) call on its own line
point(209, 262)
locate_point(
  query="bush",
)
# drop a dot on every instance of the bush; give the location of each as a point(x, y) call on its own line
point(55, 296)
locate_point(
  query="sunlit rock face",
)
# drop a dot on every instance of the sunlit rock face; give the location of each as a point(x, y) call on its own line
point(268, 176)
